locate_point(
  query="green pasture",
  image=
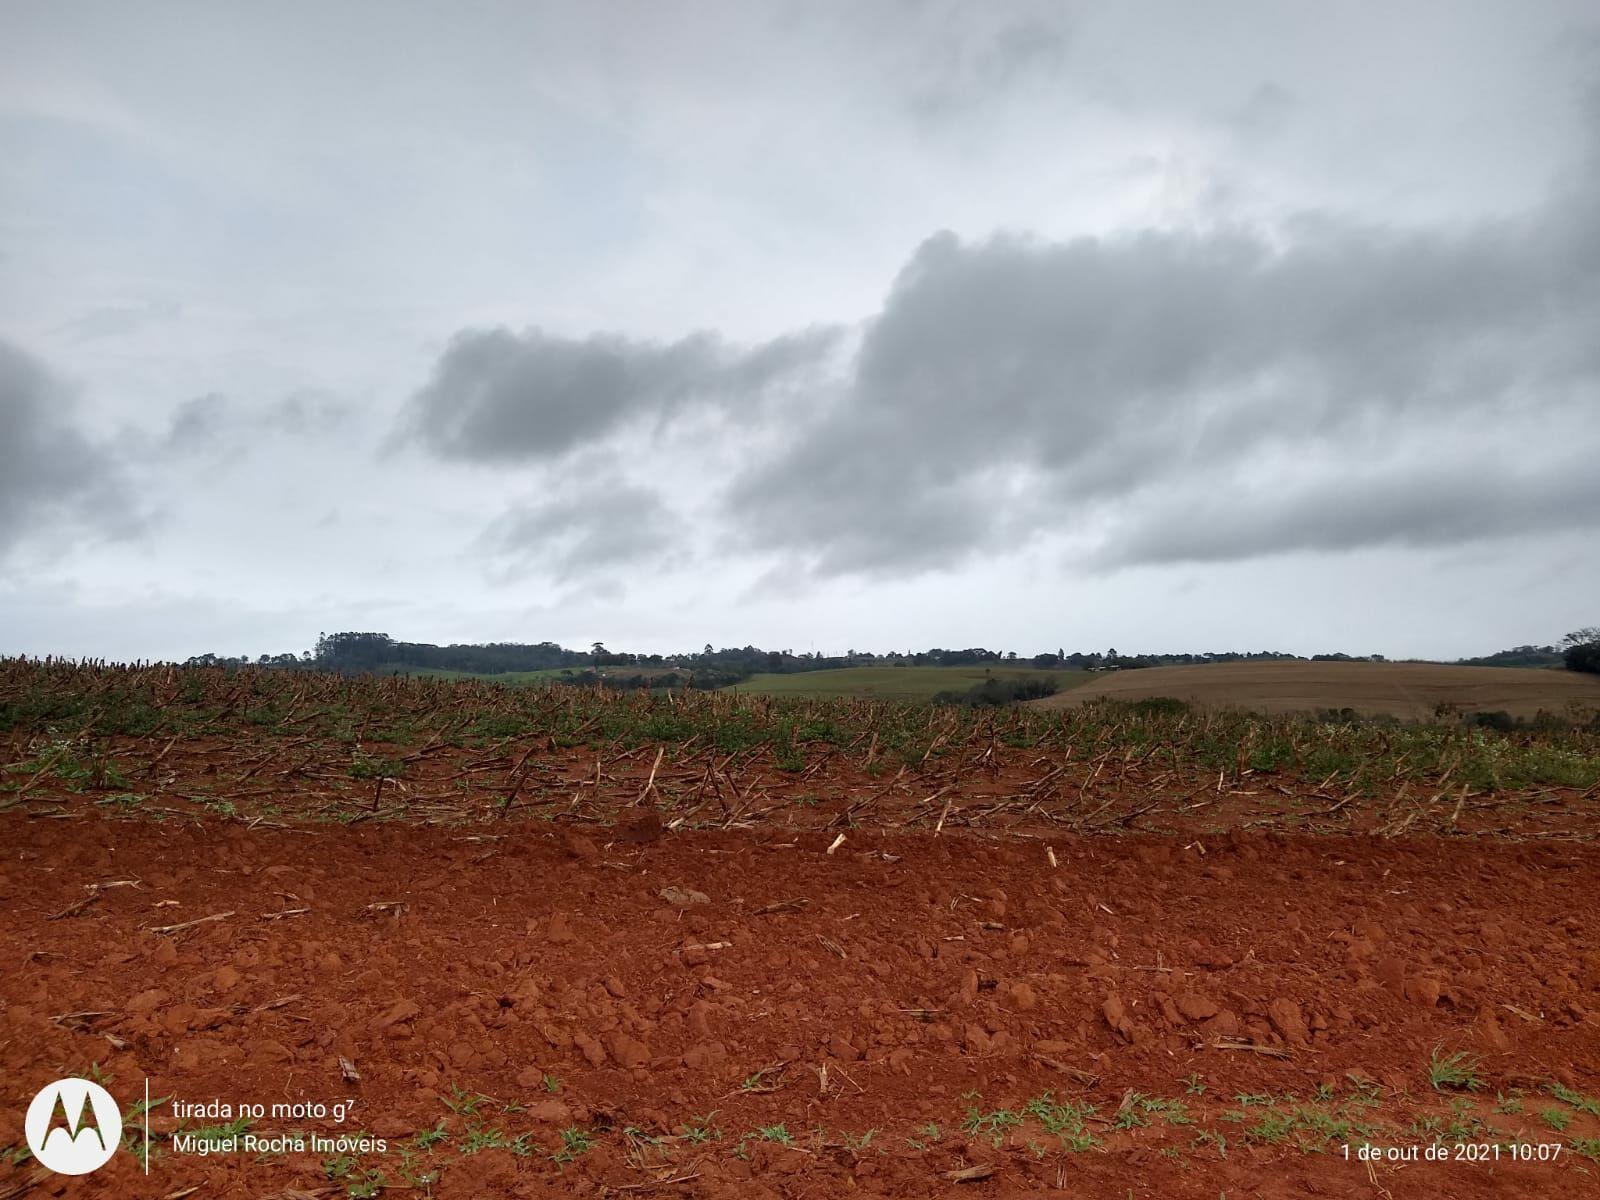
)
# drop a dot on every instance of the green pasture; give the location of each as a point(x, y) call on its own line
point(896, 683)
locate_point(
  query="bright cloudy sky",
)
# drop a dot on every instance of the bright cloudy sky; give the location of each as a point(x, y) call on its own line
point(1168, 326)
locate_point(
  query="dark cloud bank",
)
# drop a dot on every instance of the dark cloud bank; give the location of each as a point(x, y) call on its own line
point(497, 396)
point(1160, 397)
point(53, 475)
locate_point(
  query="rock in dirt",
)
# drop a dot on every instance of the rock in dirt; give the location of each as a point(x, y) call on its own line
point(551, 1112)
point(968, 991)
point(629, 1051)
point(1286, 1019)
point(700, 1019)
point(593, 1052)
point(1423, 991)
point(683, 897)
point(1391, 972)
point(1193, 1007)
point(1116, 1015)
point(705, 1054)
point(400, 1010)
point(1489, 1034)
point(841, 1048)
point(147, 1001)
point(642, 830)
point(391, 1127)
point(578, 846)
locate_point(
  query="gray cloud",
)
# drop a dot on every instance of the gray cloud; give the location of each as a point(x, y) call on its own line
point(308, 412)
point(593, 526)
point(213, 423)
point(970, 69)
point(1410, 367)
point(118, 320)
point(1264, 112)
point(52, 475)
point(498, 396)
point(197, 424)
point(1013, 386)
point(1418, 504)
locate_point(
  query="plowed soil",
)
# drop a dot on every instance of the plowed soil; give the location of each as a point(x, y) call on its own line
point(755, 1012)
point(1410, 691)
point(563, 942)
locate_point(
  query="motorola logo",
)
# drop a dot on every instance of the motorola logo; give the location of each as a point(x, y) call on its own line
point(73, 1126)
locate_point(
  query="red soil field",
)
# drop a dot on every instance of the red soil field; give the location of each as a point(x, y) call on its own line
point(671, 995)
point(563, 943)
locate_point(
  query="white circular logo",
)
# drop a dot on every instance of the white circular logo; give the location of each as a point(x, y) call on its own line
point(73, 1126)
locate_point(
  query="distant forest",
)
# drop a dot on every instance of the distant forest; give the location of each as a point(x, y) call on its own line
point(708, 667)
point(1520, 656)
point(378, 653)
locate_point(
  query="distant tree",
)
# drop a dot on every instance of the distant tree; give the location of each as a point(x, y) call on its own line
point(1518, 656)
point(1582, 650)
point(358, 651)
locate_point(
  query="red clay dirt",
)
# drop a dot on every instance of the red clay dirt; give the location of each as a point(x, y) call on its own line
point(627, 1011)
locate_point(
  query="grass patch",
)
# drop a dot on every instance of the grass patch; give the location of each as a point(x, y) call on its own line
point(992, 1125)
point(700, 1130)
point(1456, 1072)
point(1576, 1099)
point(575, 1143)
point(464, 1104)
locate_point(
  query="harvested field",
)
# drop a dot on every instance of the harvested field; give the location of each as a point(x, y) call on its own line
point(552, 942)
point(1410, 691)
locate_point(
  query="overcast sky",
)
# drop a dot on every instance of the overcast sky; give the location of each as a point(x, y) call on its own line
point(884, 325)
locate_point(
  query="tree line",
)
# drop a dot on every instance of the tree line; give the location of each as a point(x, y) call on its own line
point(353, 652)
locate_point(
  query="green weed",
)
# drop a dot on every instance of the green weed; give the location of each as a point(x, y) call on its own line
point(1455, 1072)
point(575, 1143)
point(1576, 1099)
